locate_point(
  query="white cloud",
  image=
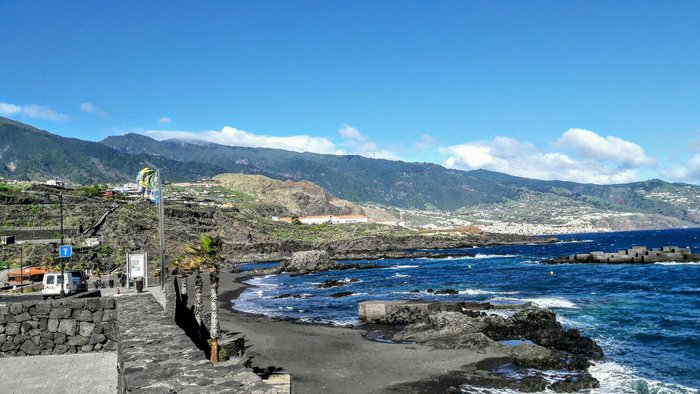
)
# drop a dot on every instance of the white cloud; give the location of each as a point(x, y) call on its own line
point(356, 143)
point(164, 120)
point(587, 144)
point(594, 164)
point(426, 142)
point(235, 137)
point(32, 111)
point(93, 109)
point(689, 172)
point(350, 133)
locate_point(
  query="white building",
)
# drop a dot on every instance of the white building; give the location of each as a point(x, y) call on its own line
point(332, 219)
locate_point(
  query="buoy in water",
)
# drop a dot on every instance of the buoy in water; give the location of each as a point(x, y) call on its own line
point(469, 266)
point(551, 272)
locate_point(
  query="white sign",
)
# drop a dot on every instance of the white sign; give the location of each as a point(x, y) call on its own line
point(137, 265)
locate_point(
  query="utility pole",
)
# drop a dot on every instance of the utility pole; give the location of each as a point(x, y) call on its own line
point(161, 225)
point(21, 278)
point(63, 284)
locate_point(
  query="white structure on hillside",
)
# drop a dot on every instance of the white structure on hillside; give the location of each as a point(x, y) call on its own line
point(332, 219)
point(53, 182)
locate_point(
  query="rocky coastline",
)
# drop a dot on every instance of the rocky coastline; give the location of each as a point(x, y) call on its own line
point(379, 247)
point(520, 338)
point(530, 336)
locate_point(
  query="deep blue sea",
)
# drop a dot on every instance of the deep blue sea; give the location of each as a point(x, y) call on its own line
point(646, 317)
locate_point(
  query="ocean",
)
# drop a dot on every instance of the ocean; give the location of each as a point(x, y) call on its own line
point(645, 317)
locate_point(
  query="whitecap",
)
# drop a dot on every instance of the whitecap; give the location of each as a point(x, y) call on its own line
point(468, 388)
point(400, 267)
point(544, 302)
point(615, 378)
point(494, 256)
point(480, 292)
point(397, 275)
point(551, 302)
point(678, 263)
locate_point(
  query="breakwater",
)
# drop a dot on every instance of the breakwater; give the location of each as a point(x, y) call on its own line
point(635, 254)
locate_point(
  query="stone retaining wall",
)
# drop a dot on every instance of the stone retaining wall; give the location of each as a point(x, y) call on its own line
point(57, 327)
point(156, 356)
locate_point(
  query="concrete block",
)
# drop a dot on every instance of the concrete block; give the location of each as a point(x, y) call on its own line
point(60, 313)
point(52, 325)
point(67, 327)
point(30, 348)
point(94, 304)
point(60, 338)
point(12, 328)
point(82, 315)
point(43, 308)
point(24, 316)
point(78, 340)
point(60, 349)
point(86, 329)
point(16, 308)
point(97, 339)
point(282, 383)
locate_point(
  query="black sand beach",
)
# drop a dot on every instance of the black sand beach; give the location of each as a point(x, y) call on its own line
point(323, 359)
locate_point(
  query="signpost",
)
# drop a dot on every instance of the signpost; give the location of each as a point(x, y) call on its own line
point(65, 251)
point(137, 266)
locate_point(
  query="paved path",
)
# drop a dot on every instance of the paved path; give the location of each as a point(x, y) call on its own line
point(74, 373)
point(123, 291)
point(89, 373)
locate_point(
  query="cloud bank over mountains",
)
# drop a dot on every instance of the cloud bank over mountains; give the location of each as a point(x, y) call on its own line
point(580, 156)
point(32, 111)
point(577, 155)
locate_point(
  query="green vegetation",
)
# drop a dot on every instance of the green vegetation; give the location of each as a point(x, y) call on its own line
point(90, 190)
point(327, 232)
point(4, 187)
point(41, 155)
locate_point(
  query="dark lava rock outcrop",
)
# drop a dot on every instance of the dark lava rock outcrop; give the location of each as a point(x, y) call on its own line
point(308, 262)
point(531, 338)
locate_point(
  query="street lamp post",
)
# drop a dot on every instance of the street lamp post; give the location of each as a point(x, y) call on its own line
point(21, 277)
point(63, 281)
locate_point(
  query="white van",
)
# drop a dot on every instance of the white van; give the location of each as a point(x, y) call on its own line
point(52, 284)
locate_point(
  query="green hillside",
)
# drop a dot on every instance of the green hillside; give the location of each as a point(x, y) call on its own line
point(410, 185)
point(29, 153)
point(32, 154)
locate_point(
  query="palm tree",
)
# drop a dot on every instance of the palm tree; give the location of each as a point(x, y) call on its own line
point(207, 254)
point(192, 262)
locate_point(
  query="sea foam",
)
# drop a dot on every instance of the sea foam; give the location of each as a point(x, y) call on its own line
point(619, 379)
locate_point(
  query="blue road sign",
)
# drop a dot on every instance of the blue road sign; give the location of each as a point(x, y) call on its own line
point(65, 251)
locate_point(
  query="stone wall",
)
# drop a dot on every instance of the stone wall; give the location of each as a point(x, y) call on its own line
point(57, 327)
point(156, 356)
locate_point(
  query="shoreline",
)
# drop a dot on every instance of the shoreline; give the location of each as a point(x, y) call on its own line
point(329, 359)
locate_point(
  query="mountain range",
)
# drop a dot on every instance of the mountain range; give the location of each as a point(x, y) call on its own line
point(29, 153)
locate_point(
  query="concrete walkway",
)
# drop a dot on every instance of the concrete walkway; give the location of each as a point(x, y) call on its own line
point(123, 291)
point(75, 373)
point(68, 373)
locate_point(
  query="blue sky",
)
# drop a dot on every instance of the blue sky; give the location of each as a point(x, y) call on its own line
point(589, 91)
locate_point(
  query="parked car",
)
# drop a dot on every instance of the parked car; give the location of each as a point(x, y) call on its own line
point(53, 281)
point(80, 278)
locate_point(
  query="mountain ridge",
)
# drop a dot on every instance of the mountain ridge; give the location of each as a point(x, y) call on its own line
point(27, 152)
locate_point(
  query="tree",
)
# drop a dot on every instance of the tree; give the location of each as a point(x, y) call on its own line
point(207, 254)
point(192, 262)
